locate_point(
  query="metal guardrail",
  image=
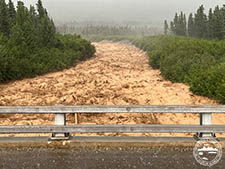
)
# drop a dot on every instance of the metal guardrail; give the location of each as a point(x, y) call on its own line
point(61, 130)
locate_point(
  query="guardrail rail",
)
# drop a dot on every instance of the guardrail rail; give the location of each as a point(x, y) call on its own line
point(61, 130)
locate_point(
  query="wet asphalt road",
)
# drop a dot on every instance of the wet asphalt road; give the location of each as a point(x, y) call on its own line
point(100, 158)
point(101, 153)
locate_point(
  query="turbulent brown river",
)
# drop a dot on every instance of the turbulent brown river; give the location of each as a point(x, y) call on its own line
point(119, 74)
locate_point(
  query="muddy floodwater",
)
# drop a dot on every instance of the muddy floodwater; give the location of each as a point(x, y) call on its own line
point(118, 74)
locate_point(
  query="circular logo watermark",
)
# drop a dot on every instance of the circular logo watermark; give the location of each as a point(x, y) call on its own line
point(207, 151)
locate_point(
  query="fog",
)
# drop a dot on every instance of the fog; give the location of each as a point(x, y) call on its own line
point(141, 11)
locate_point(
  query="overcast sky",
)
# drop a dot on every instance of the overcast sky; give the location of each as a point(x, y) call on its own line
point(121, 10)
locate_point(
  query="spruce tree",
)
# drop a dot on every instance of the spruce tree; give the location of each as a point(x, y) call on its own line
point(24, 33)
point(176, 24)
point(218, 24)
point(210, 24)
point(4, 18)
point(33, 15)
point(166, 26)
point(220, 15)
point(46, 27)
point(12, 13)
point(201, 23)
point(184, 25)
point(179, 25)
point(41, 10)
point(223, 19)
point(172, 27)
point(191, 26)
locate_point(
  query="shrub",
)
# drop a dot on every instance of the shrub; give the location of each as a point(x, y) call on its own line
point(200, 63)
point(16, 63)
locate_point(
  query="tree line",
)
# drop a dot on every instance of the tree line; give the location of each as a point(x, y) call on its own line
point(30, 46)
point(107, 30)
point(199, 24)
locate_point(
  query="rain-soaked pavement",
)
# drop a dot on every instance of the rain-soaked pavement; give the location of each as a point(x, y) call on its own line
point(100, 156)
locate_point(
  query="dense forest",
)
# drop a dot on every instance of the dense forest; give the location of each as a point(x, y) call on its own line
point(30, 46)
point(98, 32)
point(199, 25)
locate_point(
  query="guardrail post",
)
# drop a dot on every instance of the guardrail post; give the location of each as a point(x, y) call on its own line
point(206, 119)
point(60, 119)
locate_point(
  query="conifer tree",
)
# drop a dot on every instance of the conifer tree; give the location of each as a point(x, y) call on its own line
point(200, 23)
point(46, 27)
point(4, 18)
point(223, 19)
point(166, 26)
point(210, 24)
point(172, 27)
point(178, 26)
point(183, 25)
point(24, 33)
point(191, 26)
point(41, 10)
point(218, 23)
point(33, 15)
point(22, 14)
point(176, 23)
point(12, 13)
